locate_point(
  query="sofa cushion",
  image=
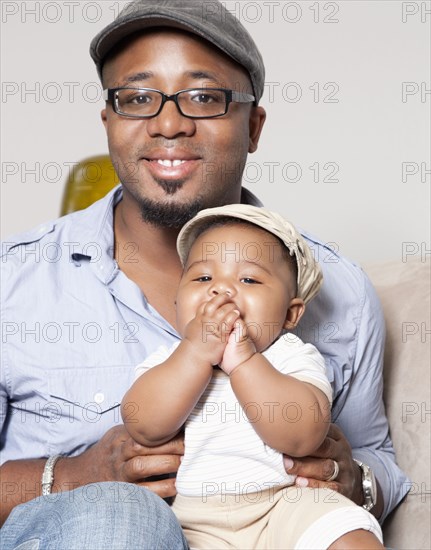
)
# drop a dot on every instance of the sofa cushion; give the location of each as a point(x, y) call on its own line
point(404, 290)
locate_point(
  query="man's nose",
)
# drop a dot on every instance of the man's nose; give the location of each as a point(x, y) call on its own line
point(170, 123)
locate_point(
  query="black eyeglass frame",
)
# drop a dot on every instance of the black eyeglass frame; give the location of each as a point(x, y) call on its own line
point(231, 96)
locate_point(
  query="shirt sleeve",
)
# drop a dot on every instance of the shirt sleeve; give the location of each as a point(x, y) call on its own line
point(4, 394)
point(155, 358)
point(369, 438)
point(290, 355)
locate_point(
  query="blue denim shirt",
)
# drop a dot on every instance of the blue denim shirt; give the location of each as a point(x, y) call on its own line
point(74, 327)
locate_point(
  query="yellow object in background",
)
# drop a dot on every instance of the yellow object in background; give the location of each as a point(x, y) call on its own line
point(88, 182)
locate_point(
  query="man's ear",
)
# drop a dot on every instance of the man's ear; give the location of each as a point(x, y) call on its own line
point(294, 313)
point(104, 118)
point(257, 120)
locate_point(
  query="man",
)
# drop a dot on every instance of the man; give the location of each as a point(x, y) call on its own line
point(78, 322)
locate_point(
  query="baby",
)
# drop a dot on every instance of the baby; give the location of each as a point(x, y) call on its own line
point(245, 389)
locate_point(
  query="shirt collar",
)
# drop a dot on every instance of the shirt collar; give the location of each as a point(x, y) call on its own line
point(97, 241)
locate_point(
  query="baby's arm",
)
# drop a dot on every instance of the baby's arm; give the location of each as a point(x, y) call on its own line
point(163, 397)
point(291, 416)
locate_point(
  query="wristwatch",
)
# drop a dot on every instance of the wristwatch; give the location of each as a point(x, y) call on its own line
point(369, 487)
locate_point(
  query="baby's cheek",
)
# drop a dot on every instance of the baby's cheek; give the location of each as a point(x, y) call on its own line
point(187, 307)
point(183, 319)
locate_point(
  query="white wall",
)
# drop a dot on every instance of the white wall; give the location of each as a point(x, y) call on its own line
point(365, 52)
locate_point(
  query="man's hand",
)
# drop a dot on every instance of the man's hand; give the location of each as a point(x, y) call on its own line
point(314, 471)
point(116, 457)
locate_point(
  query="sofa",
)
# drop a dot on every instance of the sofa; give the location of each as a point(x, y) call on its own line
point(404, 291)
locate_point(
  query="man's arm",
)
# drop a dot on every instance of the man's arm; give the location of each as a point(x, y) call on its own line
point(116, 457)
point(370, 439)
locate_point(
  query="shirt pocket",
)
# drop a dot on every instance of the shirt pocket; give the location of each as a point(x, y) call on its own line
point(84, 405)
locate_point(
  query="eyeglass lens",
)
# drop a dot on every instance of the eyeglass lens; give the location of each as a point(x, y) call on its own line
point(199, 103)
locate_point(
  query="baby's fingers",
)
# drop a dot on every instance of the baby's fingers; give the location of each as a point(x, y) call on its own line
point(222, 322)
point(229, 321)
point(211, 307)
point(240, 330)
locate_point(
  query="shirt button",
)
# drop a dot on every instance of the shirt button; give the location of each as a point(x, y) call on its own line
point(99, 398)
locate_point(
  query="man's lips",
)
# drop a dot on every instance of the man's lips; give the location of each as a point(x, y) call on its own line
point(171, 163)
point(171, 154)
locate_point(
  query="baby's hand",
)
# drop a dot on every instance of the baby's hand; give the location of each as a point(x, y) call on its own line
point(239, 348)
point(209, 331)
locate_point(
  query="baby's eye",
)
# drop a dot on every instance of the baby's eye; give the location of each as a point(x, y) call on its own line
point(250, 281)
point(203, 279)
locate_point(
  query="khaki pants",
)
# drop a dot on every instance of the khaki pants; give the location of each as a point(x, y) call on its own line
point(278, 518)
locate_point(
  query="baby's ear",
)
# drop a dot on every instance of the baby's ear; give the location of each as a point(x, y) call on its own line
point(294, 313)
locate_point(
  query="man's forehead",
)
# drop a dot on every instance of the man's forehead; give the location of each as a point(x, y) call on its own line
point(207, 60)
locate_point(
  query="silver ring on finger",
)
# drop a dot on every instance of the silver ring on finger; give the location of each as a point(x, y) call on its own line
point(335, 472)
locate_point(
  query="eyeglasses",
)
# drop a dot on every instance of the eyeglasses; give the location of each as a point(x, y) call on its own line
point(191, 103)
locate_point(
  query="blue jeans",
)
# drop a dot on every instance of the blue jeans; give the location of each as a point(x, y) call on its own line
point(99, 516)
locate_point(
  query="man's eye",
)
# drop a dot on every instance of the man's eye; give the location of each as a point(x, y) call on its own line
point(138, 99)
point(250, 281)
point(207, 97)
point(202, 98)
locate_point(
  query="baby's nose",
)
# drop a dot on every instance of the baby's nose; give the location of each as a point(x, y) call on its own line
point(220, 287)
